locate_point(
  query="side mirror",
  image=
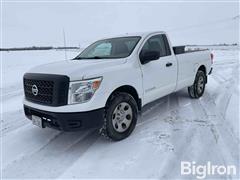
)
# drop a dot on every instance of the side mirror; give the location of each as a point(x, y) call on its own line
point(149, 56)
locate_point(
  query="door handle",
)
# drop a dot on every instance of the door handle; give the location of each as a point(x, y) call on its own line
point(168, 64)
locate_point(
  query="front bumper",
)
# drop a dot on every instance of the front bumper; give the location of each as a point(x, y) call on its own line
point(68, 121)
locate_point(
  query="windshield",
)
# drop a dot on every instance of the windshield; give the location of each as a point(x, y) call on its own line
point(110, 48)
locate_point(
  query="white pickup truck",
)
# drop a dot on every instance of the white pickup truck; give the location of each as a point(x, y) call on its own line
point(109, 82)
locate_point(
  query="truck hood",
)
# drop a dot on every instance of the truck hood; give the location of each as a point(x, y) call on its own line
point(78, 69)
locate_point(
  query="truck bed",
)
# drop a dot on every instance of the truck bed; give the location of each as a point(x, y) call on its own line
point(191, 59)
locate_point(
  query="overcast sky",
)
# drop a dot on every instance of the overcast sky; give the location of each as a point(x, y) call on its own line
point(27, 24)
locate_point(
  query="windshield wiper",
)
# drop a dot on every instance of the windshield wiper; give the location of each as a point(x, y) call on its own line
point(94, 57)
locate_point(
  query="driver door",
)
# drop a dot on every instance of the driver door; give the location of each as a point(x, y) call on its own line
point(160, 75)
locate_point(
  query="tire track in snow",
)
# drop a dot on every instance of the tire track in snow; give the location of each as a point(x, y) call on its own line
point(226, 142)
point(12, 94)
point(226, 88)
point(187, 148)
point(163, 142)
point(216, 111)
point(12, 121)
point(153, 138)
point(61, 152)
point(185, 140)
point(204, 114)
point(24, 143)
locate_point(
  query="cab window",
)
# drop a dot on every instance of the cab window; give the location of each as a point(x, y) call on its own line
point(157, 43)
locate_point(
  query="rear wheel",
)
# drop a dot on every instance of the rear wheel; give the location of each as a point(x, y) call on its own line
point(198, 87)
point(120, 116)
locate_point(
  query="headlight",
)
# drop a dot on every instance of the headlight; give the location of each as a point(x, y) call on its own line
point(83, 91)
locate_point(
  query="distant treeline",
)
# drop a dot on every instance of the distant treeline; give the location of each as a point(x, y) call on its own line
point(223, 44)
point(37, 48)
point(69, 48)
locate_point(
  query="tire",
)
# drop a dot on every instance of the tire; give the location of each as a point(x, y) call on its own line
point(120, 116)
point(197, 89)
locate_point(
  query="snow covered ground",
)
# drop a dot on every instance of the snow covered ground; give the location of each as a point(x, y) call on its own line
point(173, 129)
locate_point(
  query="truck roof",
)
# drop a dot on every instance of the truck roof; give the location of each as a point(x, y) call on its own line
point(142, 34)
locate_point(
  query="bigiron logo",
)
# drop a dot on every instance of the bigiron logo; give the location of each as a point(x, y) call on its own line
point(202, 171)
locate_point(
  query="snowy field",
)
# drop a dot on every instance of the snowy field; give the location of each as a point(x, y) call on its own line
point(173, 129)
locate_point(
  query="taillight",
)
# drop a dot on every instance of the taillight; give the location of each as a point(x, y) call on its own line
point(211, 55)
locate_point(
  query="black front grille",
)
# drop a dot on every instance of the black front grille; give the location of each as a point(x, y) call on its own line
point(45, 91)
point(51, 89)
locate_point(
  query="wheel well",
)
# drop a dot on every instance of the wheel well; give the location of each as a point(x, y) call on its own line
point(130, 90)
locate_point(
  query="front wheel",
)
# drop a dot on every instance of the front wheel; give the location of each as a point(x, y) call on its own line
point(120, 116)
point(198, 87)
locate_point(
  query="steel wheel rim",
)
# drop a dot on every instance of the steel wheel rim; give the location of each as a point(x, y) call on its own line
point(200, 84)
point(122, 117)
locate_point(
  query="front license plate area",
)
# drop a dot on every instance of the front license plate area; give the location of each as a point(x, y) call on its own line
point(37, 121)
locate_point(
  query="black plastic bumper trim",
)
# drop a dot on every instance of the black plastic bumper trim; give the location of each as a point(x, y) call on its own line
point(68, 121)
